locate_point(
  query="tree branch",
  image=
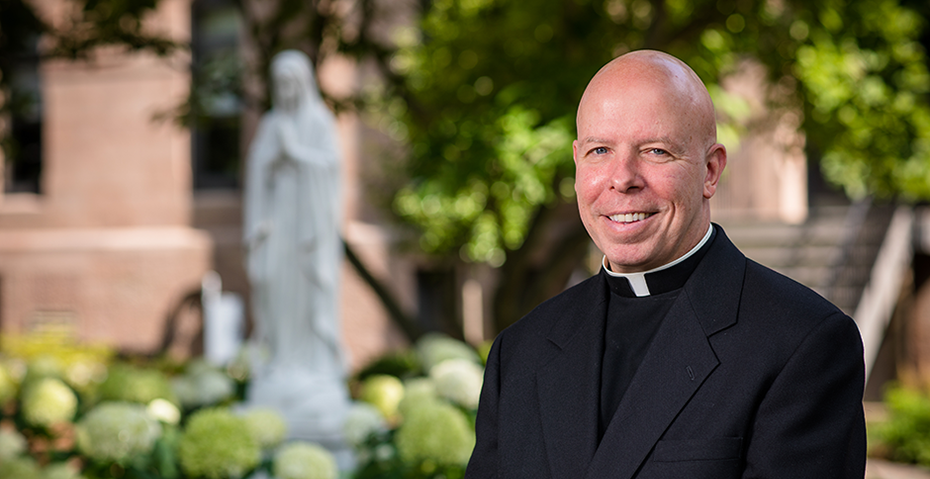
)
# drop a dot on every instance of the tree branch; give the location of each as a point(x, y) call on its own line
point(401, 319)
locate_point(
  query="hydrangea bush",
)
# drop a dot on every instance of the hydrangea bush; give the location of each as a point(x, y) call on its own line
point(429, 433)
point(73, 413)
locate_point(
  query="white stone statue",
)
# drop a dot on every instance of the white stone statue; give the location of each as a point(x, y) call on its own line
point(294, 254)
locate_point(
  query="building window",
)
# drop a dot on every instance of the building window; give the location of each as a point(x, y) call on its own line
point(215, 120)
point(438, 301)
point(23, 143)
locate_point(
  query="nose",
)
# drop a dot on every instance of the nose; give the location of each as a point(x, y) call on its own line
point(625, 174)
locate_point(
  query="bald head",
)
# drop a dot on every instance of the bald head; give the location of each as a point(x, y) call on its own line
point(640, 71)
point(647, 160)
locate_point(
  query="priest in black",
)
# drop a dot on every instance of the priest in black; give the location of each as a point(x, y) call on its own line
point(681, 358)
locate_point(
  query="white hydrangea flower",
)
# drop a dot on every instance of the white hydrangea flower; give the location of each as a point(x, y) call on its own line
point(83, 373)
point(362, 421)
point(434, 348)
point(164, 411)
point(303, 460)
point(267, 426)
point(117, 431)
point(48, 401)
point(417, 392)
point(384, 392)
point(384, 452)
point(202, 385)
point(12, 444)
point(459, 380)
point(61, 470)
point(437, 432)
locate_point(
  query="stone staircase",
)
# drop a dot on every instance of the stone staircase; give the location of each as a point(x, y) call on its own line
point(832, 252)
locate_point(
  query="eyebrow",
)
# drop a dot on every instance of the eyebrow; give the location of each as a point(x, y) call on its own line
point(662, 139)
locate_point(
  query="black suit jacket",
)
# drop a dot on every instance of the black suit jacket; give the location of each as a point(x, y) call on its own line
point(750, 375)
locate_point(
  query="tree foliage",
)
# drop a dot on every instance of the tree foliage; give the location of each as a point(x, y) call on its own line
point(482, 93)
point(485, 94)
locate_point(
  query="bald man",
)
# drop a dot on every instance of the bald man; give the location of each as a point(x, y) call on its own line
point(681, 358)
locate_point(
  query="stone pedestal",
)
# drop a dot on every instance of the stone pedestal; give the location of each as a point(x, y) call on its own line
point(314, 407)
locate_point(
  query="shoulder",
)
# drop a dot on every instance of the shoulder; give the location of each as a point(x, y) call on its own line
point(787, 313)
point(779, 294)
point(554, 316)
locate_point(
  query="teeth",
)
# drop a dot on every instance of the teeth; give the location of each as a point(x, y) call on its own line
point(629, 217)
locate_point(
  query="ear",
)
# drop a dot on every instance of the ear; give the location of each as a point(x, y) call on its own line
point(575, 152)
point(716, 162)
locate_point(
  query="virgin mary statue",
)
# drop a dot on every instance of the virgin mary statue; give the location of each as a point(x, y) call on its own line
point(294, 253)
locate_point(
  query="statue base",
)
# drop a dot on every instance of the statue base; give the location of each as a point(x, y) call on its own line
point(313, 406)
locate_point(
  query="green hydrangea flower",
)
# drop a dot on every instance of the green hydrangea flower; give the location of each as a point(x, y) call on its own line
point(131, 384)
point(434, 348)
point(61, 470)
point(218, 445)
point(416, 392)
point(8, 387)
point(384, 392)
point(203, 385)
point(302, 460)
point(438, 432)
point(362, 421)
point(459, 380)
point(43, 367)
point(117, 432)
point(48, 401)
point(267, 426)
point(12, 444)
point(20, 468)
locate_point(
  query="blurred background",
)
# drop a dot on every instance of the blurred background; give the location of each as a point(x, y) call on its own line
point(125, 124)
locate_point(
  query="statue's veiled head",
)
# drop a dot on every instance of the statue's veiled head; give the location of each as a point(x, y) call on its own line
point(292, 80)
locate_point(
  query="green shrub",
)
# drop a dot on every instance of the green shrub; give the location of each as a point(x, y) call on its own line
point(20, 468)
point(133, 384)
point(906, 433)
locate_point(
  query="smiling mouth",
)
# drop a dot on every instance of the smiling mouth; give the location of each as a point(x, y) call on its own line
point(630, 217)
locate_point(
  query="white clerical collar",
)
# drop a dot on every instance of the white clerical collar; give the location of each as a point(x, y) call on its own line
point(638, 280)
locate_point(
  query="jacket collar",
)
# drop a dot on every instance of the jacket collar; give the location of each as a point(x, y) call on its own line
point(675, 366)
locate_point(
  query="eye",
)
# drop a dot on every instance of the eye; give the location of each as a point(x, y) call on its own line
point(658, 152)
point(599, 150)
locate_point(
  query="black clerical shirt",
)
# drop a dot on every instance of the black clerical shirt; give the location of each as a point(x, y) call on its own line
point(631, 323)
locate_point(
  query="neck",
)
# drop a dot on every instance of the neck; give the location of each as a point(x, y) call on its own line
point(637, 280)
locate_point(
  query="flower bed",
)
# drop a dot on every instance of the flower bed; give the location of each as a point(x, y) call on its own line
point(72, 411)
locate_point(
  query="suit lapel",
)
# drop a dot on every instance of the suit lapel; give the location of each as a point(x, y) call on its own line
point(568, 384)
point(678, 362)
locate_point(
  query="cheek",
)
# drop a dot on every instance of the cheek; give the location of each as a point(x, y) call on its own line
point(587, 185)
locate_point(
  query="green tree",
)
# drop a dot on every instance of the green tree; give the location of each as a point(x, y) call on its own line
point(484, 93)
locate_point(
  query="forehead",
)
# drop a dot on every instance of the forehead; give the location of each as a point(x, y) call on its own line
point(634, 110)
point(647, 94)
